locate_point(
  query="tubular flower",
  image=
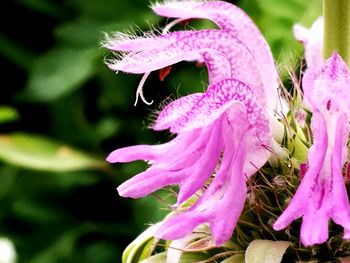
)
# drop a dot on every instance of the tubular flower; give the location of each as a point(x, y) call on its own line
point(322, 193)
point(222, 132)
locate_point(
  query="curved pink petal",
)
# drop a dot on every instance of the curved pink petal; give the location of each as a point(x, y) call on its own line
point(150, 181)
point(231, 19)
point(138, 152)
point(218, 99)
point(222, 203)
point(327, 89)
point(175, 110)
point(306, 189)
point(204, 166)
point(218, 65)
point(189, 45)
point(190, 170)
point(340, 210)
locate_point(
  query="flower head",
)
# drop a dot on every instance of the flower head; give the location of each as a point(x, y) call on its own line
point(322, 193)
point(222, 132)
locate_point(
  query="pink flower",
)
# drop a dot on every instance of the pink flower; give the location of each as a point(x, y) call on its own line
point(222, 133)
point(322, 193)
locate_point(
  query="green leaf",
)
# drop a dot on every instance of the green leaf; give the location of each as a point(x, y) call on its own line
point(48, 8)
point(16, 53)
point(141, 247)
point(8, 114)
point(61, 249)
point(239, 258)
point(158, 258)
point(193, 257)
point(36, 152)
point(59, 72)
point(276, 18)
point(186, 258)
point(266, 251)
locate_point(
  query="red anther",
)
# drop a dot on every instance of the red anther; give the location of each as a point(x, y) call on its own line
point(200, 64)
point(164, 72)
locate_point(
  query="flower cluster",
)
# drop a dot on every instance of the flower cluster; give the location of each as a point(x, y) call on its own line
point(224, 135)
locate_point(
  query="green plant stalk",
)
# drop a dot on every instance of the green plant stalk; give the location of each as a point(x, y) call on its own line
point(336, 28)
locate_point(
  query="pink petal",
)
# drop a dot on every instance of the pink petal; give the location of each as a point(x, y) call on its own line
point(204, 166)
point(314, 229)
point(322, 193)
point(306, 190)
point(138, 152)
point(233, 20)
point(327, 89)
point(218, 99)
point(313, 41)
point(175, 110)
point(218, 66)
point(189, 168)
point(341, 207)
point(189, 45)
point(222, 202)
point(149, 181)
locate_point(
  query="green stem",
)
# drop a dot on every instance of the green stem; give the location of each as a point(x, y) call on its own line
point(337, 28)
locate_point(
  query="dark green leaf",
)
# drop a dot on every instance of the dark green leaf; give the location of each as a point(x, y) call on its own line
point(59, 72)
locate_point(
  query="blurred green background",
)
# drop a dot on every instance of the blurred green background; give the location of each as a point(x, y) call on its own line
point(62, 111)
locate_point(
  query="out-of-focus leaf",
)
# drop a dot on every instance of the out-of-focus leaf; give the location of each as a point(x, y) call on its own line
point(8, 114)
point(266, 251)
point(63, 247)
point(107, 127)
point(17, 54)
point(8, 176)
point(193, 79)
point(276, 18)
point(60, 72)
point(79, 32)
point(187, 258)
point(35, 152)
point(141, 247)
point(34, 212)
point(43, 6)
point(239, 258)
point(101, 252)
point(117, 10)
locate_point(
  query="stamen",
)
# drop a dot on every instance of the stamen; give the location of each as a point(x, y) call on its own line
point(172, 24)
point(139, 91)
